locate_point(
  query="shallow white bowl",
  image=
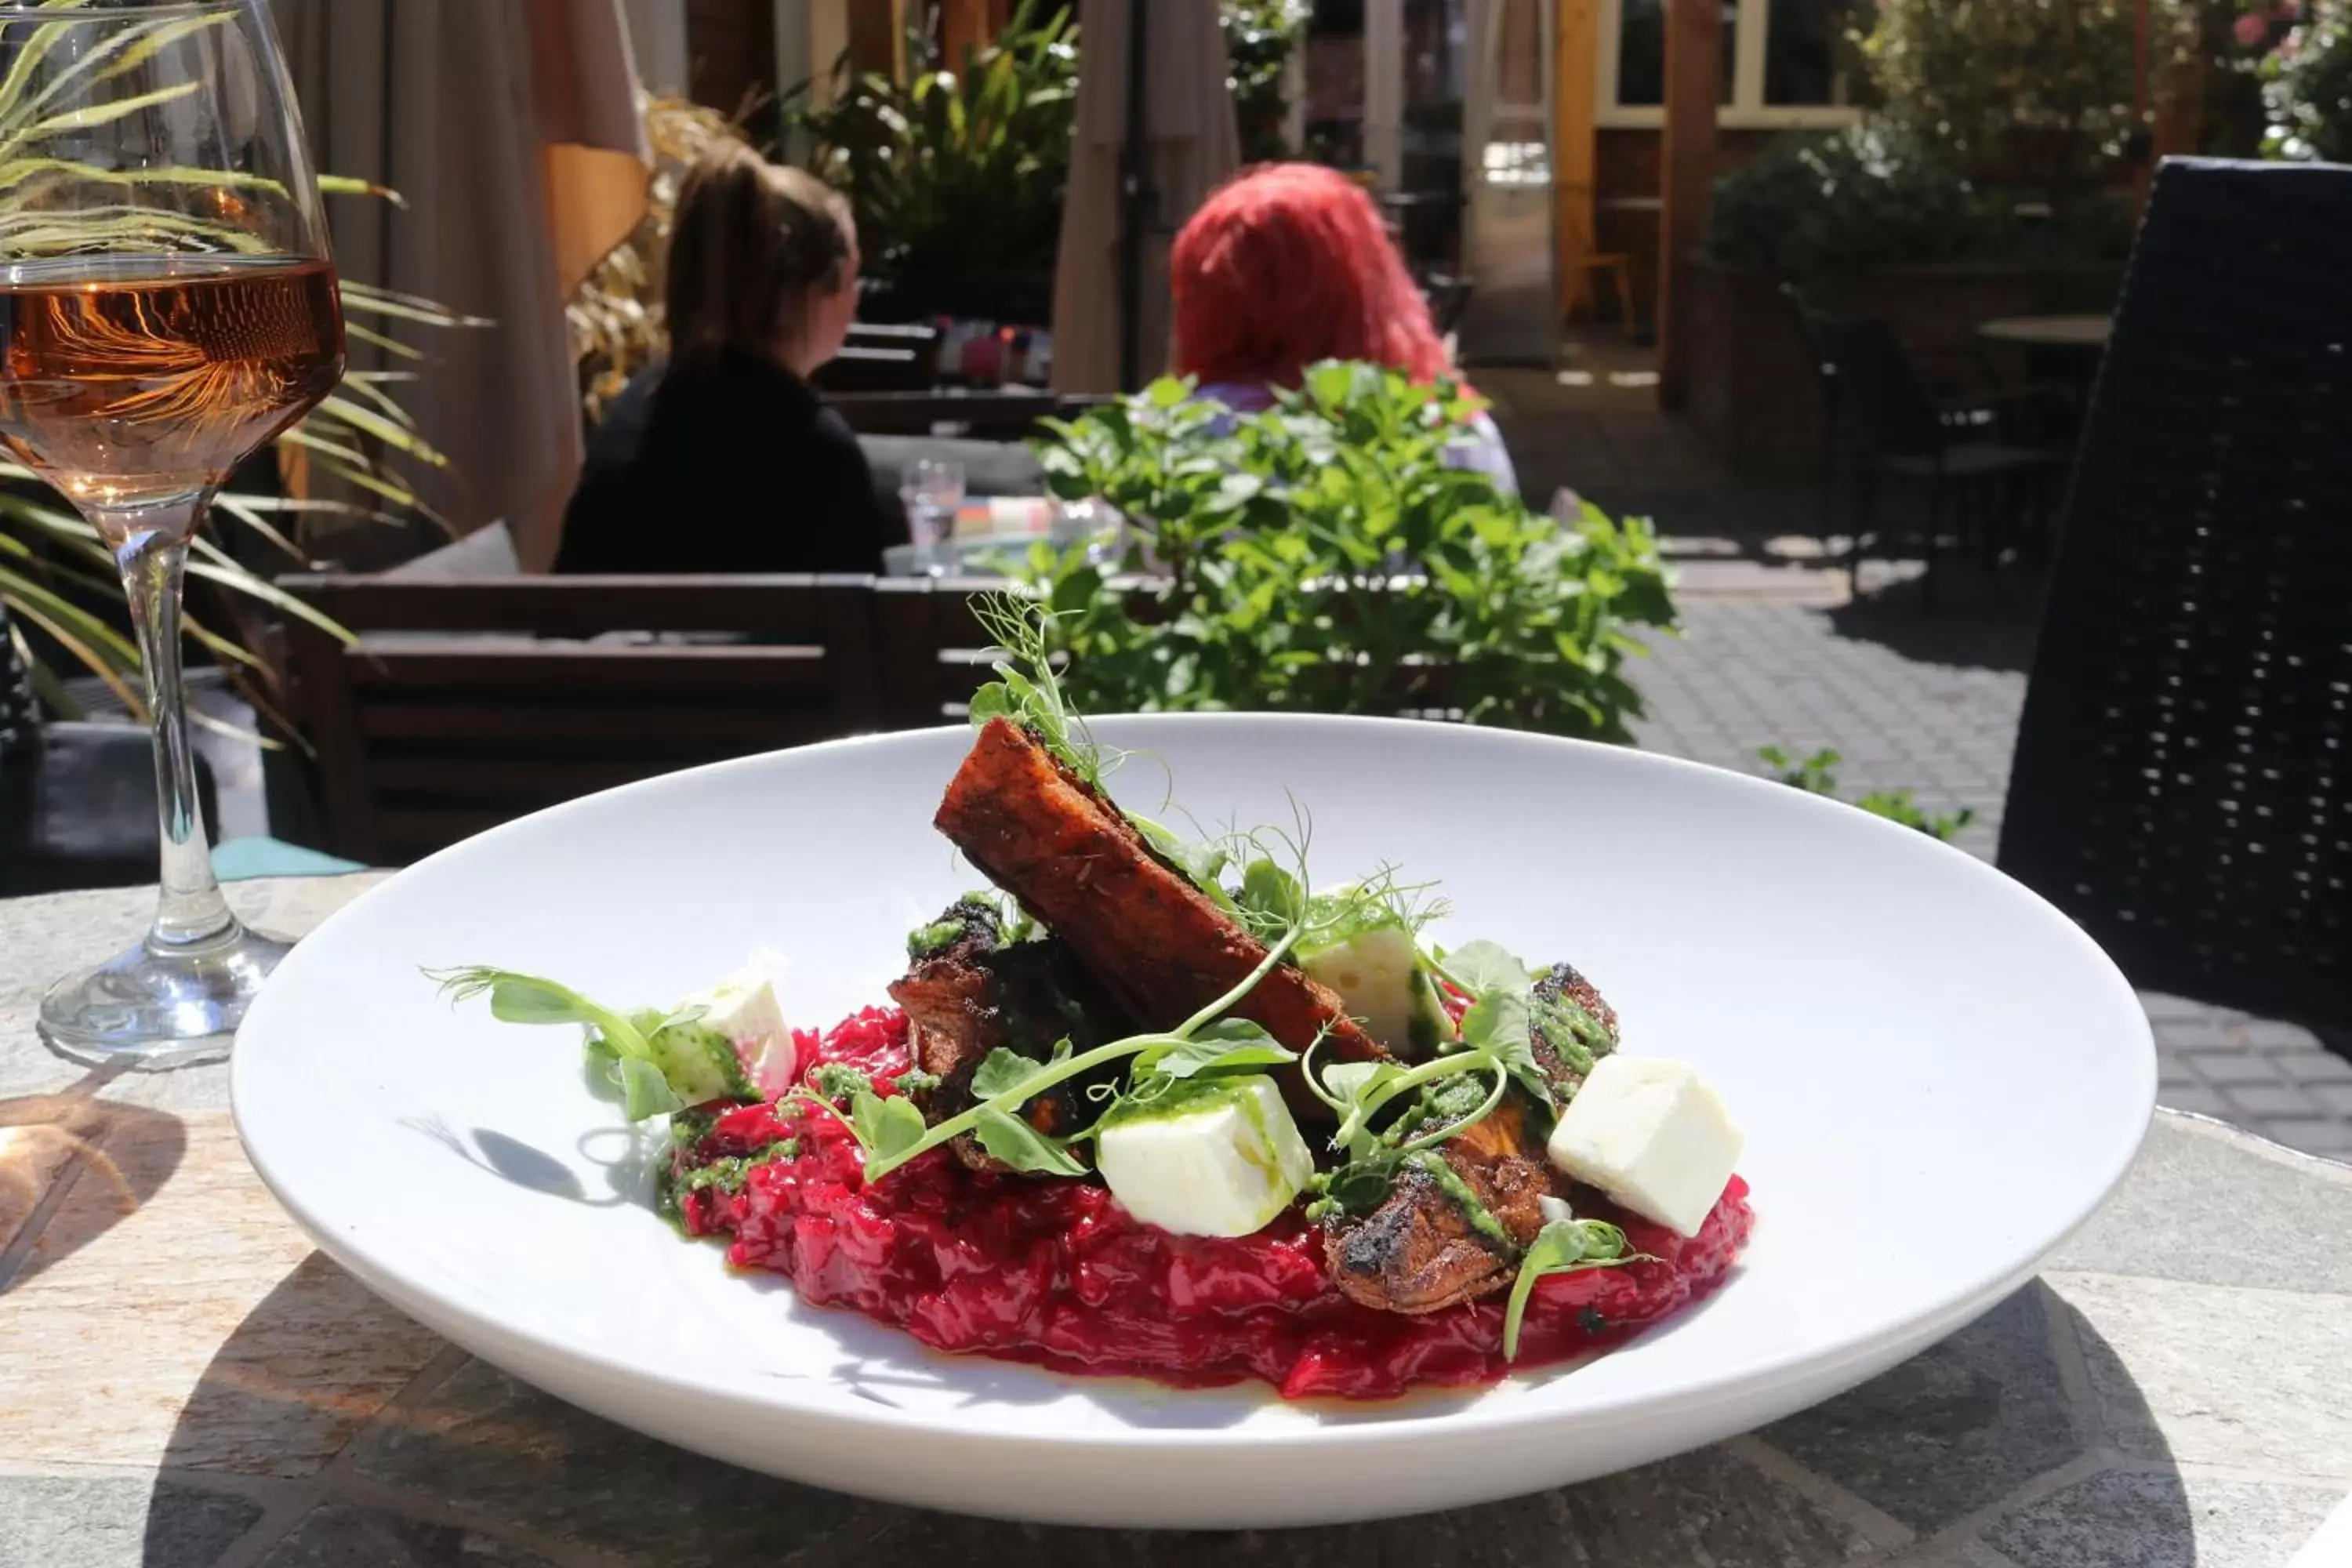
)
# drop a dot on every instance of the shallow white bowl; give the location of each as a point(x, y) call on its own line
point(1939, 1076)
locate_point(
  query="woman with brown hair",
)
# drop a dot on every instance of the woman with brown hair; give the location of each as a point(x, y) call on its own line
point(722, 459)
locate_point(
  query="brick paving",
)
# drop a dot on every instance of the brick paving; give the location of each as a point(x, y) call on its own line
point(1931, 704)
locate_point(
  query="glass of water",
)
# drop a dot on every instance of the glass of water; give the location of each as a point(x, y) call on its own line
point(932, 489)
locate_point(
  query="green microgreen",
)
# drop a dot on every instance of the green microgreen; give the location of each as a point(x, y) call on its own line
point(624, 1044)
point(1028, 691)
point(1564, 1246)
point(1382, 1131)
point(1006, 1081)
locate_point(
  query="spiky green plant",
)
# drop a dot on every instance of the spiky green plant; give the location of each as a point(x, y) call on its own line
point(56, 577)
point(958, 171)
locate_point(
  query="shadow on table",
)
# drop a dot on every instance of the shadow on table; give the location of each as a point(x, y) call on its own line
point(1991, 1435)
point(72, 1167)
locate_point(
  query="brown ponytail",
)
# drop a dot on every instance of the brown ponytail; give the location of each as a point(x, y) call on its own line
point(751, 240)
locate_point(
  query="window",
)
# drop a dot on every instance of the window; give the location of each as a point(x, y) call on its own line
point(1785, 62)
point(1641, 52)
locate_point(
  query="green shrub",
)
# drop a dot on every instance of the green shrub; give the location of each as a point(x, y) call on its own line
point(1322, 557)
point(1828, 205)
point(1833, 203)
point(1817, 775)
point(2307, 89)
point(2036, 92)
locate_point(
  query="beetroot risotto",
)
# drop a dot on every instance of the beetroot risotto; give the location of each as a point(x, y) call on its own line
point(1161, 1107)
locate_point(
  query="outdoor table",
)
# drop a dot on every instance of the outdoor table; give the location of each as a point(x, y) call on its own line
point(184, 1381)
point(2060, 350)
point(2085, 332)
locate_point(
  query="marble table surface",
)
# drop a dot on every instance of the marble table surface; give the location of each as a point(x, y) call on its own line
point(184, 1382)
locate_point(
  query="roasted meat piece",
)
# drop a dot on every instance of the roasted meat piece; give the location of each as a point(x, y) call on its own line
point(1423, 1249)
point(969, 991)
point(1569, 1027)
point(1157, 943)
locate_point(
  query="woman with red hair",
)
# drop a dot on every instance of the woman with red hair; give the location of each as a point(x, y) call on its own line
point(1289, 264)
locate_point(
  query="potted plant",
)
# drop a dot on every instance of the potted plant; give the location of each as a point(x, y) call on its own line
point(956, 173)
point(1323, 556)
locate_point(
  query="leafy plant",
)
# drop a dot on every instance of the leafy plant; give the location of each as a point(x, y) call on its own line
point(615, 314)
point(958, 170)
point(1816, 774)
point(2307, 88)
point(1322, 557)
point(1261, 36)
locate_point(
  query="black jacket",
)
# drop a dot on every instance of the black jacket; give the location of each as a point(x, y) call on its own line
point(733, 467)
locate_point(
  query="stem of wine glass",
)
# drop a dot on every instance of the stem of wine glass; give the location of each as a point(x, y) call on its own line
point(151, 547)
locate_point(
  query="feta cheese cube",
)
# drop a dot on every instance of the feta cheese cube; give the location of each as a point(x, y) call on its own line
point(1224, 1162)
point(743, 1007)
point(1653, 1135)
point(743, 1033)
point(1379, 975)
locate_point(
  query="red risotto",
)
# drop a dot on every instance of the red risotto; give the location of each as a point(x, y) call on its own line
point(1057, 1274)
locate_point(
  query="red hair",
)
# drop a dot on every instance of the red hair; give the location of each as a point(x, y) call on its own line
point(1287, 265)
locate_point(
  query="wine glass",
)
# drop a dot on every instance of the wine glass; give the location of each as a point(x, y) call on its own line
point(167, 305)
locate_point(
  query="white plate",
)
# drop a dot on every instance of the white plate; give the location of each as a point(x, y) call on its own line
point(1940, 1076)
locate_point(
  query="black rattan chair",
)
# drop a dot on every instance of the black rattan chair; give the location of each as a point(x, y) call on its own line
point(2183, 778)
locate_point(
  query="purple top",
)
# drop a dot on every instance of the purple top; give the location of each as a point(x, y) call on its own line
point(1479, 447)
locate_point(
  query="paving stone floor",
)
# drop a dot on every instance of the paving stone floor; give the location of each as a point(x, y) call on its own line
point(1930, 703)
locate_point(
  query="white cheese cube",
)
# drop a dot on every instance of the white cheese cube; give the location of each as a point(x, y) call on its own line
point(1652, 1135)
point(1221, 1162)
point(743, 1007)
point(743, 1012)
point(1378, 975)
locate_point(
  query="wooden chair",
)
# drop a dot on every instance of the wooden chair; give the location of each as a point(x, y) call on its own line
point(980, 416)
point(467, 702)
point(931, 649)
point(1617, 266)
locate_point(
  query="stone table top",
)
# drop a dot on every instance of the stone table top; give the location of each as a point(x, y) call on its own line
point(185, 1383)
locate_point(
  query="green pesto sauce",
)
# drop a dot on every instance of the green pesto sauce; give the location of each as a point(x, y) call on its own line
point(1474, 1209)
point(936, 936)
point(1258, 1153)
point(728, 1173)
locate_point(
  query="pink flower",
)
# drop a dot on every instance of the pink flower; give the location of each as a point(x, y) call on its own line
point(2253, 31)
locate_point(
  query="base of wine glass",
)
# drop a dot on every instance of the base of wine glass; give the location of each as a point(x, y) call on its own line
point(160, 1006)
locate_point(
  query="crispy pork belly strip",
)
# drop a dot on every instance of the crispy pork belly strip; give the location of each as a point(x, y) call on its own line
point(1419, 1251)
point(1154, 940)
